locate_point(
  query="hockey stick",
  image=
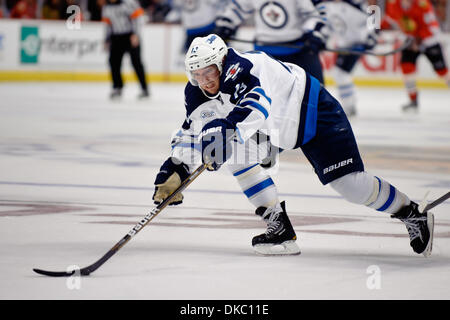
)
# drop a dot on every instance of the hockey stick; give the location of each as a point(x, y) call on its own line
point(138, 227)
point(405, 45)
point(436, 202)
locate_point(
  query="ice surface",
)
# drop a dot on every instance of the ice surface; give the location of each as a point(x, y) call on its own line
point(77, 173)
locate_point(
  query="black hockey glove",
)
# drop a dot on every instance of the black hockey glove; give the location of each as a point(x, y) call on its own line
point(313, 41)
point(169, 178)
point(223, 29)
point(215, 140)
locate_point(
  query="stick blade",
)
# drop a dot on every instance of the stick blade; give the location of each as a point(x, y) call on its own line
point(80, 272)
point(54, 273)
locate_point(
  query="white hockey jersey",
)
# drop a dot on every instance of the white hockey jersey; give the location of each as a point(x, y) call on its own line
point(257, 93)
point(347, 21)
point(275, 21)
point(197, 14)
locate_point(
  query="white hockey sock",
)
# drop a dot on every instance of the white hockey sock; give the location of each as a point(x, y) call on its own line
point(346, 88)
point(256, 184)
point(364, 188)
point(386, 197)
point(411, 86)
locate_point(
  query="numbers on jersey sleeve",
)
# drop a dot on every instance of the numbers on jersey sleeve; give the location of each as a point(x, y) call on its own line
point(240, 88)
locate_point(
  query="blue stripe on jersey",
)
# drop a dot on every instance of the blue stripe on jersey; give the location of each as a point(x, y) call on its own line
point(195, 146)
point(258, 187)
point(346, 86)
point(263, 93)
point(255, 105)
point(345, 95)
point(311, 112)
point(389, 200)
point(238, 173)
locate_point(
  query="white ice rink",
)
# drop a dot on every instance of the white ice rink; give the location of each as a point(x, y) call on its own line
point(77, 171)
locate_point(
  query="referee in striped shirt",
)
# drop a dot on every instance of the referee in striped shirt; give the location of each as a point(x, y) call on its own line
point(124, 19)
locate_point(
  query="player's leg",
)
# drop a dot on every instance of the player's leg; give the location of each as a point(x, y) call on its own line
point(376, 193)
point(408, 66)
point(344, 82)
point(136, 61)
point(436, 57)
point(261, 191)
point(116, 52)
point(334, 154)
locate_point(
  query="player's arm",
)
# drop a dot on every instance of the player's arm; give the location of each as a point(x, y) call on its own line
point(185, 151)
point(250, 113)
point(252, 107)
point(315, 30)
point(177, 167)
point(234, 15)
point(430, 20)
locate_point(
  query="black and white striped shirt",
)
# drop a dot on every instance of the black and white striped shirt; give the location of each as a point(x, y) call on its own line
point(122, 17)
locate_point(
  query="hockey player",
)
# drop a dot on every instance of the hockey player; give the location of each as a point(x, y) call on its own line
point(289, 30)
point(248, 95)
point(123, 19)
point(416, 18)
point(348, 21)
point(197, 17)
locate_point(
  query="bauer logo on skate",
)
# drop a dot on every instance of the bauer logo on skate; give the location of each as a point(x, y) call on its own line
point(337, 165)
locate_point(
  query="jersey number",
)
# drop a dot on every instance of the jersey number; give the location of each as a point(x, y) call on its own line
point(240, 88)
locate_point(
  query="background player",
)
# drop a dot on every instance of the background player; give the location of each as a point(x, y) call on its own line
point(289, 30)
point(348, 24)
point(243, 94)
point(197, 17)
point(416, 18)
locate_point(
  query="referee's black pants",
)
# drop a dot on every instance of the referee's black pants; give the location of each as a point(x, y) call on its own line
point(119, 45)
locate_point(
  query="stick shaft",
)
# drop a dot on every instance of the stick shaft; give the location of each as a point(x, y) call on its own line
point(437, 201)
point(138, 227)
point(406, 44)
point(149, 217)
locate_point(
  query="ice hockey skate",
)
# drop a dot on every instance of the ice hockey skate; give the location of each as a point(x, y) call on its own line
point(280, 237)
point(420, 226)
point(411, 107)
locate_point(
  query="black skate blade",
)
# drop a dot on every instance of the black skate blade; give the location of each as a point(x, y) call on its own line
point(54, 273)
point(82, 272)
